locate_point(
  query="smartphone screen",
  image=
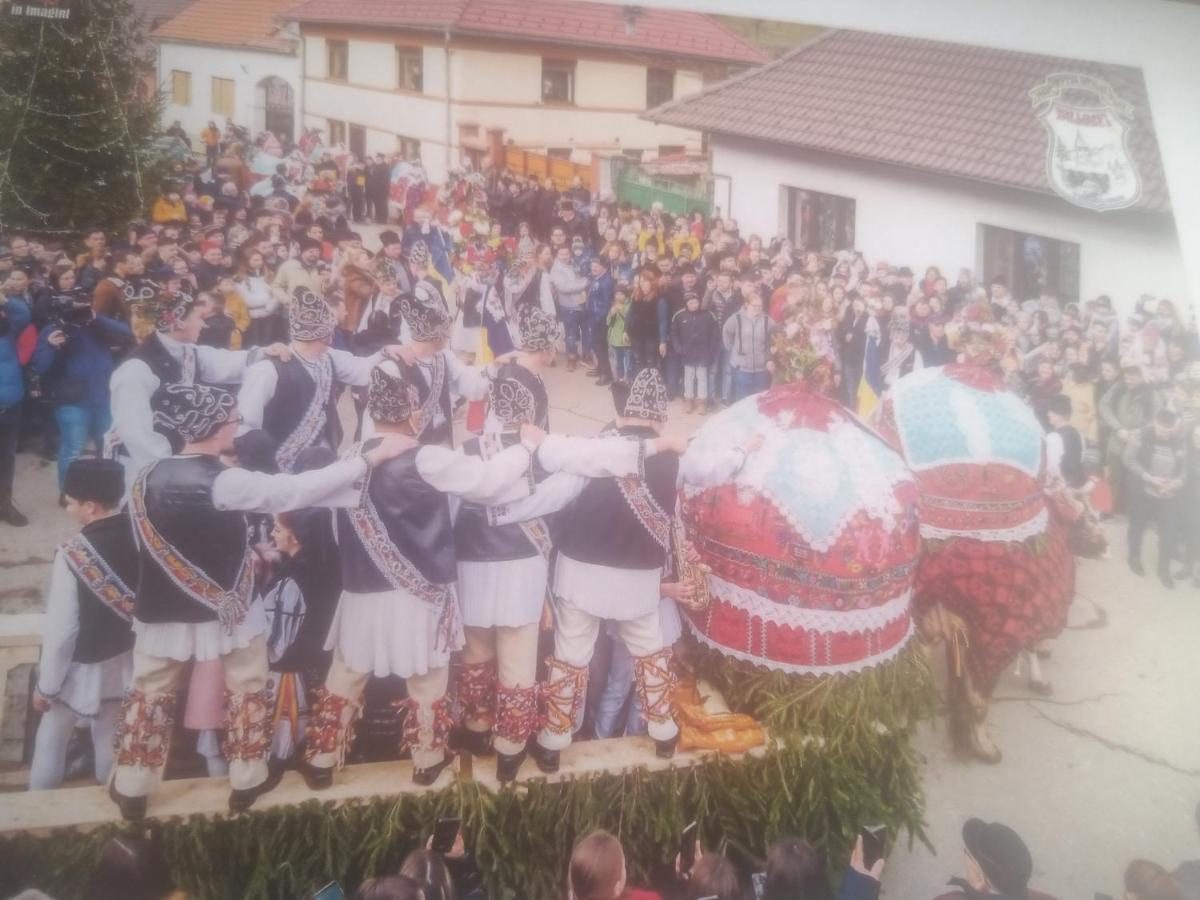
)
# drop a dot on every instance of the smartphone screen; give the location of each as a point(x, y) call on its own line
point(687, 848)
point(444, 833)
point(331, 891)
point(873, 837)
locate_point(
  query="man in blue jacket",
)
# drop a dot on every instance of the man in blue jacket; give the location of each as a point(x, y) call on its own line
point(599, 302)
point(14, 318)
point(74, 357)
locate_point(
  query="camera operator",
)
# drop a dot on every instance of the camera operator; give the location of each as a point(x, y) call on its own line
point(14, 319)
point(74, 361)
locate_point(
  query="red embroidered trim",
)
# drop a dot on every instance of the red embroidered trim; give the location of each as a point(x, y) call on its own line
point(417, 721)
point(144, 731)
point(331, 726)
point(98, 575)
point(475, 684)
point(654, 680)
point(247, 725)
point(562, 695)
point(647, 510)
point(516, 713)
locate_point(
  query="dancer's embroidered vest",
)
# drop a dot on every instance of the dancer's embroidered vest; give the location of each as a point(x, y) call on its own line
point(103, 559)
point(295, 418)
point(477, 541)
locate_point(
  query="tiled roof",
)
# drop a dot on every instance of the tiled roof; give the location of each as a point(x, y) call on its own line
point(155, 12)
point(567, 21)
point(955, 109)
point(252, 24)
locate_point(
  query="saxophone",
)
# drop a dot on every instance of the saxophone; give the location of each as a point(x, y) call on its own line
point(685, 569)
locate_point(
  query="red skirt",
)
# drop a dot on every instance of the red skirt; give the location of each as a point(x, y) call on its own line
point(1010, 594)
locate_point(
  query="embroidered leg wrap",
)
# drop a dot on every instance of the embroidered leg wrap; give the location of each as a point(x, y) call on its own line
point(143, 740)
point(563, 694)
point(654, 681)
point(516, 716)
point(330, 730)
point(475, 684)
point(425, 729)
point(247, 726)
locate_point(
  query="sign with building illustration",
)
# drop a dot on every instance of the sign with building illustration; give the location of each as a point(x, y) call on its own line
point(1087, 155)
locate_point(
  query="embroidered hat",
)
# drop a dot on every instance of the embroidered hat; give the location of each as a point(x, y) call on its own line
point(538, 329)
point(310, 318)
point(391, 398)
point(647, 397)
point(167, 310)
point(426, 317)
point(98, 480)
point(193, 412)
point(518, 396)
point(418, 253)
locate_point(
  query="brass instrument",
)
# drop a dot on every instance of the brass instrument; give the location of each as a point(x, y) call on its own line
point(687, 571)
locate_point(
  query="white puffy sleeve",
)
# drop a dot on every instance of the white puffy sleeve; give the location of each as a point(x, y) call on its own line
point(353, 370)
point(553, 494)
point(475, 479)
point(258, 387)
point(132, 387)
point(60, 628)
point(338, 485)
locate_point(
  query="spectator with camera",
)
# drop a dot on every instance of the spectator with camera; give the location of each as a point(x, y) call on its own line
point(15, 316)
point(74, 361)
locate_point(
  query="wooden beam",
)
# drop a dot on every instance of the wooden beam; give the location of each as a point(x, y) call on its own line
point(85, 808)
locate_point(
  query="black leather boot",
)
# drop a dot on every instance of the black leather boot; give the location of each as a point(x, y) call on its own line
point(547, 760)
point(508, 765)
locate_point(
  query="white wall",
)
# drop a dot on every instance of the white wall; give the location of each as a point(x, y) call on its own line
point(914, 219)
point(245, 67)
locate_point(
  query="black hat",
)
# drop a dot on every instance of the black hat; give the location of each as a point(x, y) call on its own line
point(98, 480)
point(518, 396)
point(193, 412)
point(387, 238)
point(645, 398)
point(307, 243)
point(1001, 854)
point(391, 398)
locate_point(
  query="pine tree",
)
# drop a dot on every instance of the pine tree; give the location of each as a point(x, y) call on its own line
point(76, 139)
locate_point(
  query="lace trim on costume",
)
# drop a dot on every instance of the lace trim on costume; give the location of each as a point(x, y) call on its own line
point(313, 420)
point(643, 505)
point(437, 374)
point(229, 605)
point(1033, 528)
point(814, 620)
point(92, 569)
point(795, 669)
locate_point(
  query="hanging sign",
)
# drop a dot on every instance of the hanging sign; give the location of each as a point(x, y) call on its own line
point(53, 10)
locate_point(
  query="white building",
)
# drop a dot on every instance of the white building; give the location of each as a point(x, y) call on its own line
point(230, 59)
point(563, 78)
point(1040, 169)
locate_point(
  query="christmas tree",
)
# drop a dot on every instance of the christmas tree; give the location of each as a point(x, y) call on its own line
point(77, 142)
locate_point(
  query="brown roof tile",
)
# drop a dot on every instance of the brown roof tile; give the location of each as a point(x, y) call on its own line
point(668, 32)
point(950, 108)
point(253, 24)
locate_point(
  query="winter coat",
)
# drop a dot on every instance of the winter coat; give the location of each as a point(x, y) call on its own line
point(569, 288)
point(600, 296)
point(617, 320)
point(746, 339)
point(694, 336)
point(14, 317)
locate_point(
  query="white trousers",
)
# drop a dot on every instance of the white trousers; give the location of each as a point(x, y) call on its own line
point(54, 736)
point(515, 651)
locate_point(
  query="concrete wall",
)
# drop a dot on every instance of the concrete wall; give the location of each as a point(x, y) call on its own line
point(911, 218)
point(245, 67)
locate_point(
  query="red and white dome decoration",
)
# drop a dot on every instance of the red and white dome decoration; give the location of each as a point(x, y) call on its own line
point(812, 543)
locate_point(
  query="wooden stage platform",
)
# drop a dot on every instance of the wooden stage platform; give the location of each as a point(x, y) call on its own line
point(40, 812)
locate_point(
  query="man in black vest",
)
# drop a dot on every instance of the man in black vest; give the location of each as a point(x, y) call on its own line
point(86, 662)
point(613, 543)
point(294, 401)
point(194, 596)
point(1155, 462)
point(399, 613)
point(1064, 444)
point(169, 356)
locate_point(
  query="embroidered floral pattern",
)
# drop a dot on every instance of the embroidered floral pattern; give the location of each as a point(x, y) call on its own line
point(312, 423)
point(648, 511)
point(562, 695)
point(654, 680)
point(425, 727)
point(229, 605)
point(331, 726)
point(89, 566)
point(247, 725)
point(516, 713)
point(144, 730)
point(475, 684)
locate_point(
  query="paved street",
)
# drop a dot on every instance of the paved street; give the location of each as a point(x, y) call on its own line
point(1105, 770)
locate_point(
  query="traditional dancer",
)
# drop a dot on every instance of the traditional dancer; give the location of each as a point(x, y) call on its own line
point(294, 401)
point(194, 588)
point(996, 573)
point(166, 357)
point(610, 572)
point(86, 662)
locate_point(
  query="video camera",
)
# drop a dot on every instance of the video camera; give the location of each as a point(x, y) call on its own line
point(70, 308)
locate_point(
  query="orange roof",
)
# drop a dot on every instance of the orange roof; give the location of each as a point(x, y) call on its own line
point(230, 23)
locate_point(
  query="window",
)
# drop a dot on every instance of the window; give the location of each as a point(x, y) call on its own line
point(409, 148)
point(660, 87)
point(558, 81)
point(635, 155)
point(819, 223)
point(665, 150)
point(222, 97)
point(337, 59)
point(181, 88)
point(559, 152)
point(358, 141)
point(1031, 263)
point(337, 133)
point(408, 68)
